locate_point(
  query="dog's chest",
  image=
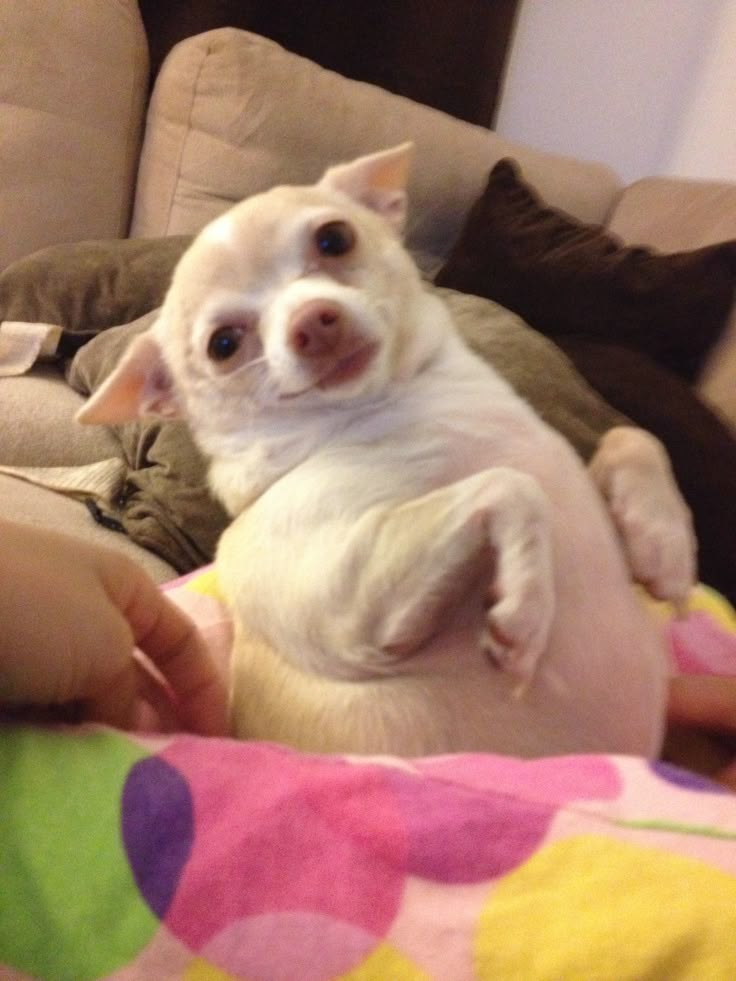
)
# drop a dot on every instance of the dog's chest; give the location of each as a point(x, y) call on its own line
point(485, 439)
point(457, 429)
point(405, 451)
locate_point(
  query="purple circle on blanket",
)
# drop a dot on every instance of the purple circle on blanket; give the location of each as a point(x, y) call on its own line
point(457, 834)
point(157, 829)
point(686, 779)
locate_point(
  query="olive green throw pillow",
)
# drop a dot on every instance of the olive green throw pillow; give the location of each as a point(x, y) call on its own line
point(89, 286)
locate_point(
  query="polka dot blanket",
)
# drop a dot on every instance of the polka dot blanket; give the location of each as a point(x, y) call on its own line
point(155, 857)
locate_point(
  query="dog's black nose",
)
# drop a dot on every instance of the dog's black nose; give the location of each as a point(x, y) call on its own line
point(315, 329)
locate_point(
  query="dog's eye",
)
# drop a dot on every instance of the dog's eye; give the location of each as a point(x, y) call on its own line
point(225, 342)
point(334, 238)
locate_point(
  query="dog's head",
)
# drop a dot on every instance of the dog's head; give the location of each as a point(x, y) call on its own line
point(299, 295)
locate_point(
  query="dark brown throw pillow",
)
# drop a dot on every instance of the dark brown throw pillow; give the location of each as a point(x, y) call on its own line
point(568, 278)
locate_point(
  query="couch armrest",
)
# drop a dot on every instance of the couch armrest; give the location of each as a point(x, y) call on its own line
point(674, 214)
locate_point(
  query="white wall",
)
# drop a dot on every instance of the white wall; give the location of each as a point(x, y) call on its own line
point(646, 86)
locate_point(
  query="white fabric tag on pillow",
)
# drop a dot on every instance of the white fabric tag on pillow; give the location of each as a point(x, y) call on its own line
point(22, 344)
point(102, 480)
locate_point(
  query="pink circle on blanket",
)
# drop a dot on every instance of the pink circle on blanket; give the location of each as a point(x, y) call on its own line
point(262, 843)
point(285, 946)
point(455, 832)
point(459, 834)
point(557, 780)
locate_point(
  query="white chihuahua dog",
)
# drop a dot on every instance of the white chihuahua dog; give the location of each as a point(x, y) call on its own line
point(417, 563)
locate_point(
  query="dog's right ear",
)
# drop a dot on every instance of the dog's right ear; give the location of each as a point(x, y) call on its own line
point(377, 181)
point(139, 385)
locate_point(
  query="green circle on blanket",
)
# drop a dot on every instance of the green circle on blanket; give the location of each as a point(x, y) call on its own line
point(69, 904)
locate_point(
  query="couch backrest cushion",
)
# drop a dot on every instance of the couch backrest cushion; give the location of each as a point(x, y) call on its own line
point(233, 113)
point(73, 79)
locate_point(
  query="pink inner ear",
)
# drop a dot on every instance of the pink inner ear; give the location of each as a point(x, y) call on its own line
point(389, 171)
point(377, 181)
point(391, 204)
point(157, 397)
point(139, 385)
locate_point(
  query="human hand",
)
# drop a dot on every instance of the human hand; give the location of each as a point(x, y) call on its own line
point(702, 725)
point(70, 617)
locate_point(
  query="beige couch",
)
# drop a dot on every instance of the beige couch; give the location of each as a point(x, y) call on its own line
point(85, 155)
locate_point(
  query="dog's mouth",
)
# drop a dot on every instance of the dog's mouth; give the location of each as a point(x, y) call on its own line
point(350, 367)
point(339, 371)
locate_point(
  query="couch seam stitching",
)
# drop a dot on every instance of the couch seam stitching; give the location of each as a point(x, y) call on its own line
point(133, 146)
point(167, 224)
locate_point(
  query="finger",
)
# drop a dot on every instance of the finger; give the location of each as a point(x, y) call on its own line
point(175, 647)
point(127, 700)
point(170, 639)
point(115, 703)
point(707, 701)
point(156, 692)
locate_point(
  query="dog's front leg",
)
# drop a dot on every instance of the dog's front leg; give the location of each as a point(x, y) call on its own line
point(633, 473)
point(426, 552)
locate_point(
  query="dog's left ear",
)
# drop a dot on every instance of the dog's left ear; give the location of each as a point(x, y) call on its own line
point(140, 385)
point(377, 181)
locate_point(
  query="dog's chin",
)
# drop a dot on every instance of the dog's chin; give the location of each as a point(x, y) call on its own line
point(348, 376)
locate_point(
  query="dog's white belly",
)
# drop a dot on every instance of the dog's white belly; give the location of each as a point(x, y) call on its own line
point(450, 698)
point(599, 687)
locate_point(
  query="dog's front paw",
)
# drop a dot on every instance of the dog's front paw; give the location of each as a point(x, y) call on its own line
point(660, 544)
point(518, 624)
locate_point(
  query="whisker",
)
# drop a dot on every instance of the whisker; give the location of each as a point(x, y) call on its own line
point(266, 388)
point(255, 363)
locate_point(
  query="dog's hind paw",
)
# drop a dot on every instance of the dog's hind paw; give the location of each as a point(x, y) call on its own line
point(517, 628)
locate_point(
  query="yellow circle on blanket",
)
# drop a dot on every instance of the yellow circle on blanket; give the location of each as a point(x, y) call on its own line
point(206, 583)
point(200, 970)
point(383, 963)
point(593, 907)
